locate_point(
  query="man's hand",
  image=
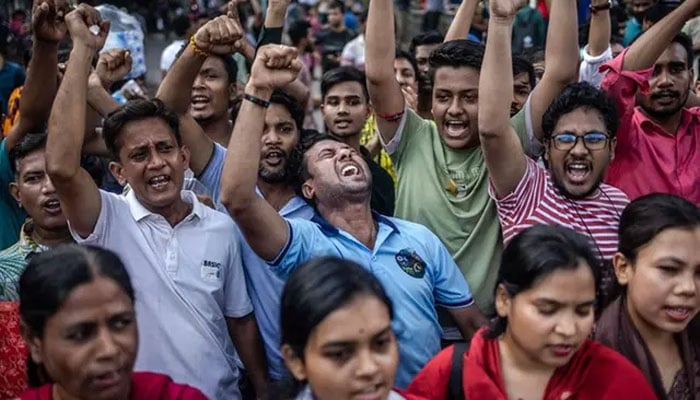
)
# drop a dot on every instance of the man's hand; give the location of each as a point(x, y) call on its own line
point(275, 66)
point(222, 35)
point(411, 97)
point(48, 20)
point(505, 9)
point(87, 28)
point(112, 66)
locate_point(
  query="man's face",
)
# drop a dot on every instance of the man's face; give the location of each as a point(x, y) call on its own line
point(639, 7)
point(669, 85)
point(279, 140)
point(211, 92)
point(405, 74)
point(335, 17)
point(345, 109)
point(37, 195)
point(338, 174)
point(422, 59)
point(521, 90)
point(578, 171)
point(455, 105)
point(152, 163)
point(616, 49)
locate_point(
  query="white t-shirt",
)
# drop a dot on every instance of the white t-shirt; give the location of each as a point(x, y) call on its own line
point(187, 279)
point(354, 53)
point(167, 58)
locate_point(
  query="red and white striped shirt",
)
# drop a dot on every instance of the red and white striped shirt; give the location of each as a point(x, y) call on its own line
point(537, 201)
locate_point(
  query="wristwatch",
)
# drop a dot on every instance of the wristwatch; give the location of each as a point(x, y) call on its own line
point(595, 9)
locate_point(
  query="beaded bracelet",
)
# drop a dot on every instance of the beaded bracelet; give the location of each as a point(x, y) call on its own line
point(256, 100)
point(196, 48)
point(391, 117)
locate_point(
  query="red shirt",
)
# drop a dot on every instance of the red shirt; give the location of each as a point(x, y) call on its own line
point(595, 372)
point(13, 352)
point(144, 386)
point(647, 158)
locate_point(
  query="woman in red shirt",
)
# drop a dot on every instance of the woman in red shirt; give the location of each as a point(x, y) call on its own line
point(337, 339)
point(77, 309)
point(538, 346)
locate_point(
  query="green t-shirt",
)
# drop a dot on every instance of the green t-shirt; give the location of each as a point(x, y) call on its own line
point(447, 191)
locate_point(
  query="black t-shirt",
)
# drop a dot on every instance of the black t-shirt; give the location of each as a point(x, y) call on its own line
point(383, 192)
point(332, 43)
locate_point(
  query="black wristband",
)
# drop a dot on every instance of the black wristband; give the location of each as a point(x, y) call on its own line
point(595, 9)
point(256, 100)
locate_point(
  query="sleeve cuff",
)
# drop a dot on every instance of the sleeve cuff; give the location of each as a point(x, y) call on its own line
point(603, 57)
point(275, 262)
point(393, 144)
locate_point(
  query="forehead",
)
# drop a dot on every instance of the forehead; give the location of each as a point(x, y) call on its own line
point(144, 131)
point(326, 144)
point(34, 161)
point(92, 299)
point(521, 78)
point(215, 64)
point(358, 320)
point(642, 3)
point(582, 119)
point(424, 50)
point(564, 285)
point(346, 89)
point(673, 53)
point(401, 63)
point(276, 114)
point(456, 79)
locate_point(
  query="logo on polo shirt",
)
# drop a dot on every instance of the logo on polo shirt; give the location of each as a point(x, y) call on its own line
point(211, 271)
point(411, 263)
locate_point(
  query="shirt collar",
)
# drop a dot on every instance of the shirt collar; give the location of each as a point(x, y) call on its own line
point(139, 212)
point(331, 230)
point(687, 117)
point(27, 245)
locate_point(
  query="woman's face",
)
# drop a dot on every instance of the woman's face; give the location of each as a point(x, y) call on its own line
point(351, 354)
point(663, 283)
point(550, 321)
point(89, 345)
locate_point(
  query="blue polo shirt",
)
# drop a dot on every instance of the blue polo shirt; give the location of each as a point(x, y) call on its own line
point(414, 267)
point(265, 292)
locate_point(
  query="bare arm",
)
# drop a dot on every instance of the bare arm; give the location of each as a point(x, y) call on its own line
point(599, 31)
point(462, 22)
point(468, 320)
point(246, 337)
point(263, 228)
point(80, 198)
point(503, 152)
point(384, 91)
point(648, 47)
point(561, 59)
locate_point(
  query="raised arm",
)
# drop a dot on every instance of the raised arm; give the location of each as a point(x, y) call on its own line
point(599, 30)
point(503, 152)
point(264, 229)
point(384, 91)
point(644, 52)
point(561, 59)
point(80, 198)
point(221, 35)
point(40, 86)
point(462, 22)
point(112, 66)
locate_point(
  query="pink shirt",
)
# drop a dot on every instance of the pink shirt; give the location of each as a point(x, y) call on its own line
point(647, 158)
point(537, 201)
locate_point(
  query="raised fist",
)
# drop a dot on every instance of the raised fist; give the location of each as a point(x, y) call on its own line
point(221, 36)
point(275, 66)
point(112, 66)
point(48, 20)
point(505, 8)
point(86, 27)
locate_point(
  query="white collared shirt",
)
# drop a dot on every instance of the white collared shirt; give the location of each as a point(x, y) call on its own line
point(187, 279)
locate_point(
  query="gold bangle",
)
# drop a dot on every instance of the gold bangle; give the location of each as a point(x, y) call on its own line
point(196, 48)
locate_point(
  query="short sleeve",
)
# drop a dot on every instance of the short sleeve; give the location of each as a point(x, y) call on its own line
point(431, 382)
point(236, 300)
point(211, 175)
point(410, 126)
point(450, 288)
point(516, 206)
point(304, 240)
point(589, 70)
point(112, 208)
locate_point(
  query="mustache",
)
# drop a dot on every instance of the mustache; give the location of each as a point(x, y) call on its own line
point(665, 93)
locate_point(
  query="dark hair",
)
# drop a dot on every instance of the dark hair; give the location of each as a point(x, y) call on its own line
point(49, 279)
point(298, 31)
point(318, 288)
point(406, 55)
point(342, 74)
point(29, 144)
point(537, 252)
point(577, 95)
point(522, 64)
point(335, 4)
point(657, 12)
point(181, 24)
point(457, 54)
point(649, 215)
point(136, 110)
point(309, 137)
point(425, 38)
point(687, 43)
point(229, 63)
point(295, 109)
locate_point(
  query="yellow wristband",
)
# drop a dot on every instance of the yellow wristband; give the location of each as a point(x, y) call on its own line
point(196, 48)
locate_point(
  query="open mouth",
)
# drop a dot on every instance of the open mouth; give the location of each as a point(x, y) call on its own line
point(665, 97)
point(107, 379)
point(52, 206)
point(159, 182)
point(578, 172)
point(199, 101)
point(678, 314)
point(349, 170)
point(455, 129)
point(562, 350)
point(274, 157)
point(373, 392)
point(342, 123)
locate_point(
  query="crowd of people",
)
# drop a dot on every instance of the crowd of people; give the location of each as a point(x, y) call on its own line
point(478, 217)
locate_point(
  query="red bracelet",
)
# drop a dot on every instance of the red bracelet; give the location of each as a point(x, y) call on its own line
point(391, 117)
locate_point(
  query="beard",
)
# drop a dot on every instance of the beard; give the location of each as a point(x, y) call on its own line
point(289, 173)
point(661, 114)
point(562, 189)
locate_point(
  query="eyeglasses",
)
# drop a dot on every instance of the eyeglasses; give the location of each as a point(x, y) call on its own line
point(591, 140)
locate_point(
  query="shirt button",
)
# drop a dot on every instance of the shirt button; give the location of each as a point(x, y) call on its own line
point(374, 258)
